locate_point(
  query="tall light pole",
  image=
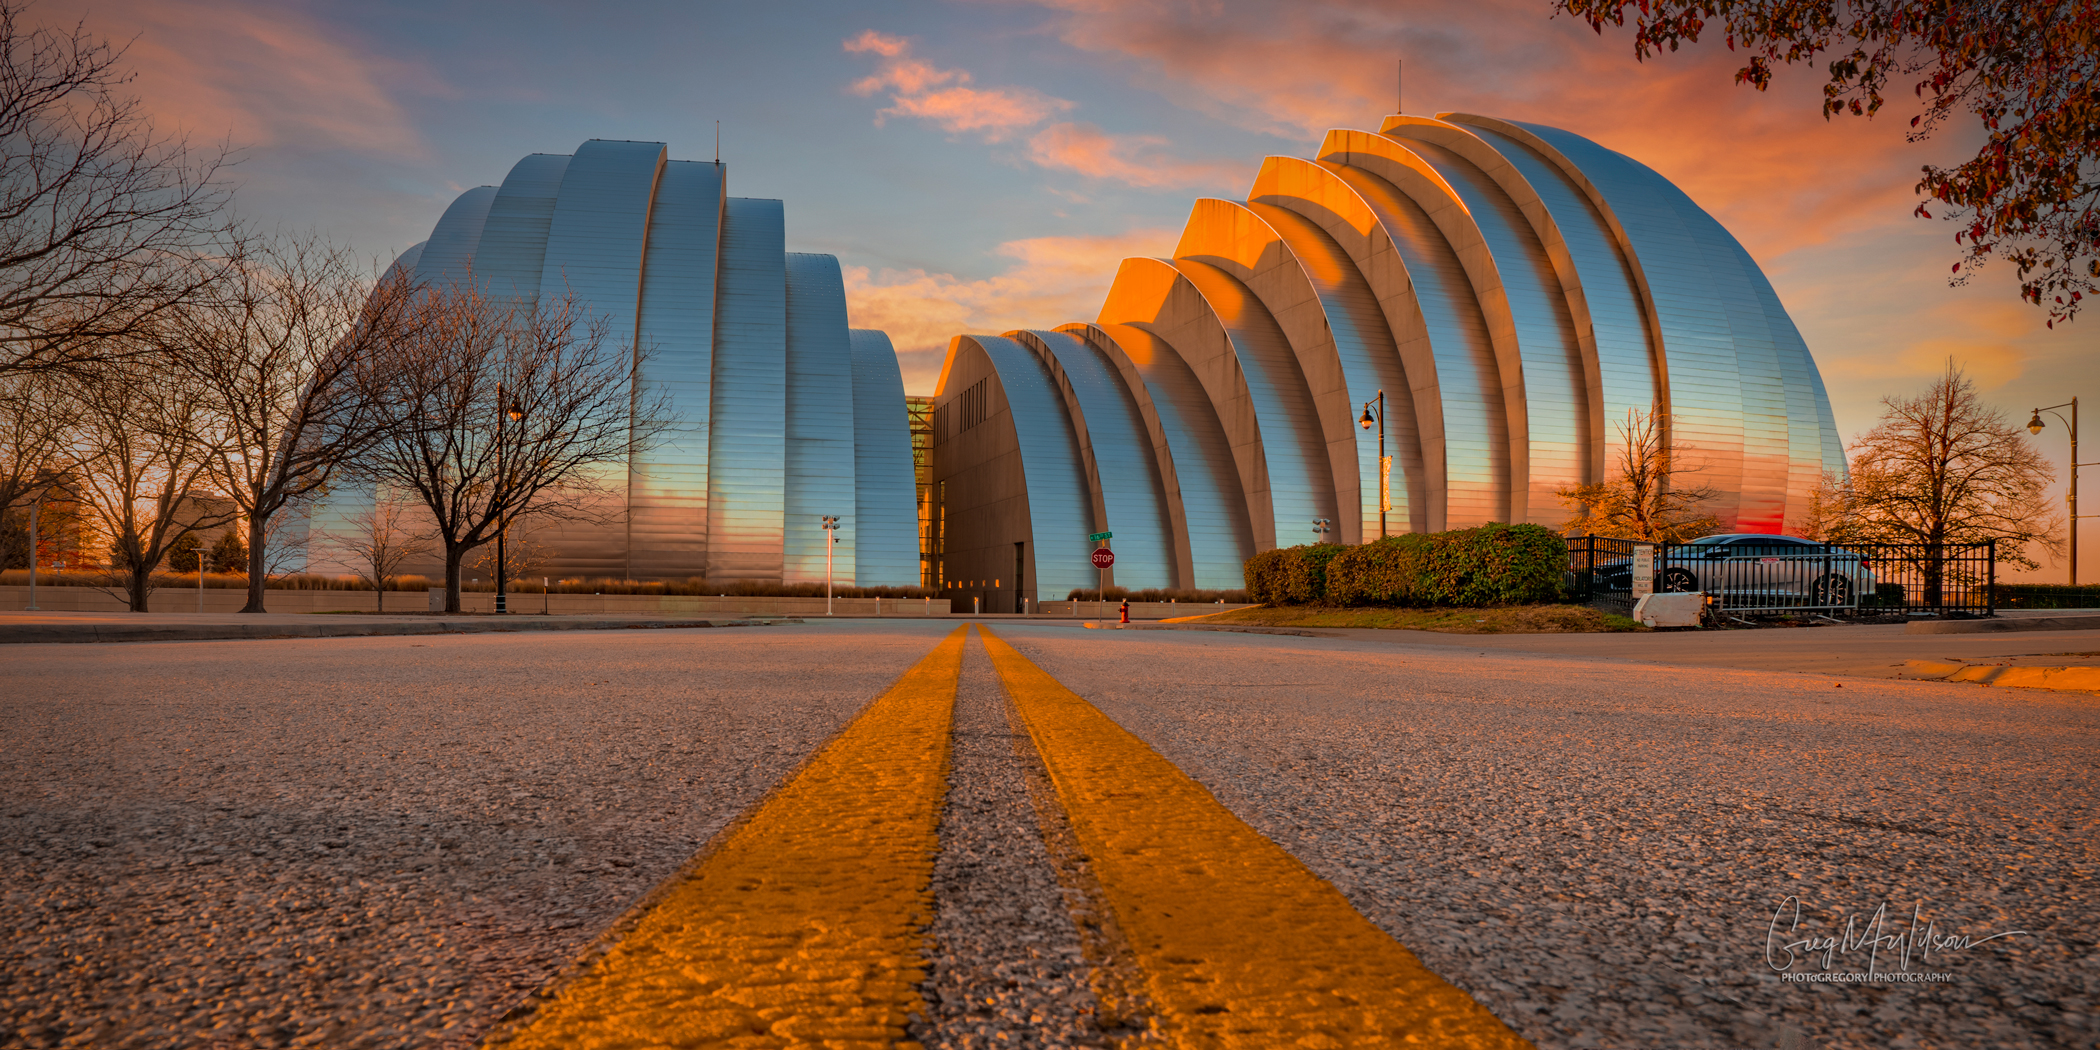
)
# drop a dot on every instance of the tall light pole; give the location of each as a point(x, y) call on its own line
point(515, 412)
point(2034, 426)
point(35, 506)
point(831, 538)
point(1385, 462)
point(1321, 527)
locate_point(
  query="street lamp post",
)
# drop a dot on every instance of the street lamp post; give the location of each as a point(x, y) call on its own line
point(1321, 527)
point(34, 507)
point(831, 537)
point(2034, 426)
point(515, 413)
point(1385, 462)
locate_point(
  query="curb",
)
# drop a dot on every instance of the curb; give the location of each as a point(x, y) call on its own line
point(83, 633)
point(2081, 679)
point(1199, 627)
point(1993, 626)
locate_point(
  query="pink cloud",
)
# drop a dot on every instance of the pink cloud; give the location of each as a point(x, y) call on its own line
point(1050, 281)
point(993, 116)
point(257, 74)
point(1133, 159)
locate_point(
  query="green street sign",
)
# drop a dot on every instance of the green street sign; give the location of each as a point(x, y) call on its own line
point(1099, 536)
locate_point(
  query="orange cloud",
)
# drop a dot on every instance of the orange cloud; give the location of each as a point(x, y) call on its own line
point(1134, 159)
point(997, 114)
point(1051, 280)
point(993, 115)
point(256, 74)
point(1766, 164)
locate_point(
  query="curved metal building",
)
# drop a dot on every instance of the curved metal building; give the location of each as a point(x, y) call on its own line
point(1514, 291)
point(780, 414)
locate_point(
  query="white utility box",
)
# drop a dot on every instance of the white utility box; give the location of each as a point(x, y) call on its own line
point(1675, 609)
point(437, 599)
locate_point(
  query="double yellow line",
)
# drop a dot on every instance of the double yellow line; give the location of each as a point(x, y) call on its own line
point(804, 927)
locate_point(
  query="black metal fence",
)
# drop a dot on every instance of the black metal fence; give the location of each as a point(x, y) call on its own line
point(1774, 575)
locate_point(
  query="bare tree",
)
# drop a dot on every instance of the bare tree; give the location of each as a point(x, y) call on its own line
point(542, 375)
point(36, 419)
point(104, 224)
point(276, 348)
point(523, 554)
point(141, 459)
point(378, 541)
point(1648, 498)
point(1945, 468)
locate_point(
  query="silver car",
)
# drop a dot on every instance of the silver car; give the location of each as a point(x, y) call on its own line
point(1751, 570)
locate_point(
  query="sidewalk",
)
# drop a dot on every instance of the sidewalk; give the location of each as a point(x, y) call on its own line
point(19, 627)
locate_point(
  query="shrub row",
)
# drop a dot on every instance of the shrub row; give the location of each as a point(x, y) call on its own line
point(1494, 564)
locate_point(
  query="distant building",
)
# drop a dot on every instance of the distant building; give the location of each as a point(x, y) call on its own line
point(1514, 290)
point(781, 415)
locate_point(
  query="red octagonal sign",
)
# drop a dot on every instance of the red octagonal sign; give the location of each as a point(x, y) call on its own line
point(1103, 558)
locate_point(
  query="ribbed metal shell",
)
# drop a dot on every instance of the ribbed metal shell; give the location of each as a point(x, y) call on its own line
point(1121, 472)
point(449, 252)
point(1515, 291)
point(747, 482)
point(667, 485)
point(820, 421)
point(885, 489)
point(768, 404)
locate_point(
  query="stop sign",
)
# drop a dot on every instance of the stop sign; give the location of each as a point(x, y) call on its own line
point(1103, 558)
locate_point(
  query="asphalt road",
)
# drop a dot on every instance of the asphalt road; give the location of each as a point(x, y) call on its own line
point(389, 841)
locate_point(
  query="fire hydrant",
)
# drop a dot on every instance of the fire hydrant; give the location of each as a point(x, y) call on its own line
point(1126, 610)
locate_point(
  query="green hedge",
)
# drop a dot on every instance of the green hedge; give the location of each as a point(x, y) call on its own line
point(1494, 564)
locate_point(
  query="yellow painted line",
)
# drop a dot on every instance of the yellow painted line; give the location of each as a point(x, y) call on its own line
point(1242, 945)
point(804, 927)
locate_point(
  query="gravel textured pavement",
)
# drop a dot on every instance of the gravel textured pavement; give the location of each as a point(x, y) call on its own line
point(1009, 969)
point(388, 842)
point(372, 842)
point(1597, 851)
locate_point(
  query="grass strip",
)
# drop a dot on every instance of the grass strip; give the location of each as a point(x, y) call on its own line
point(804, 927)
point(1513, 619)
point(1241, 945)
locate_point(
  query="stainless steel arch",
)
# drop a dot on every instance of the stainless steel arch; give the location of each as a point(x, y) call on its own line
point(1706, 386)
point(595, 245)
point(746, 479)
point(1414, 398)
point(667, 484)
point(1392, 162)
point(1631, 368)
point(1228, 340)
point(449, 253)
point(1059, 515)
point(1205, 504)
point(885, 487)
point(1556, 388)
point(1116, 456)
point(513, 250)
point(1331, 320)
point(820, 423)
point(1470, 378)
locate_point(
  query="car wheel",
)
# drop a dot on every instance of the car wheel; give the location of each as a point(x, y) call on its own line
point(1679, 580)
point(1831, 589)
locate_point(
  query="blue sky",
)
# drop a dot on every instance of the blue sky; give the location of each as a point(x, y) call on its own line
point(979, 166)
